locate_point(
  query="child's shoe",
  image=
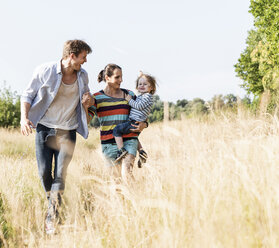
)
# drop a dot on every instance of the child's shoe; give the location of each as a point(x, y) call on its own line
point(142, 158)
point(121, 153)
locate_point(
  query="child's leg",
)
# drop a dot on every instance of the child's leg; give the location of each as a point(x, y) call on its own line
point(117, 133)
point(119, 142)
point(142, 155)
point(139, 146)
point(119, 130)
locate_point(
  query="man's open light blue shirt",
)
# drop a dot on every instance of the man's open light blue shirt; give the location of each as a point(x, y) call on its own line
point(43, 88)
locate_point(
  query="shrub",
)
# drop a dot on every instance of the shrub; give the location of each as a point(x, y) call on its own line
point(9, 108)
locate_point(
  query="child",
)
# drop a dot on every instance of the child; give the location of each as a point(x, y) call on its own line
point(140, 109)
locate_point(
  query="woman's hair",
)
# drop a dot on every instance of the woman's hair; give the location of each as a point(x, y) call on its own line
point(150, 79)
point(75, 47)
point(108, 71)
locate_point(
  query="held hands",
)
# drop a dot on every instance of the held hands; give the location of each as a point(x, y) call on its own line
point(26, 126)
point(87, 100)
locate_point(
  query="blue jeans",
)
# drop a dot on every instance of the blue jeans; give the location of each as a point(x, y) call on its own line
point(123, 128)
point(54, 144)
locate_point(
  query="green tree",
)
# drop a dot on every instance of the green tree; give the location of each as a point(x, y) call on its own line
point(247, 67)
point(230, 100)
point(196, 107)
point(258, 65)
point(182, 103)
point(157, 111)
point(9, 108)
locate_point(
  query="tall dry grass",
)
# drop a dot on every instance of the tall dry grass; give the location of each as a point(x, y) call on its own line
point(207, 183)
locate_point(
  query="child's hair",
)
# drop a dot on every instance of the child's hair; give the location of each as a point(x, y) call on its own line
point(108, 71)
point(150, 79)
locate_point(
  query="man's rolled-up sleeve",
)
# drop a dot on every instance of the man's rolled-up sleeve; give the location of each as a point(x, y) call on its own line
point(33, 87)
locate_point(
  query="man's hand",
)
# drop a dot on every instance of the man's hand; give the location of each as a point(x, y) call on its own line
point(128, 97)
point(26, 126)
point(87, 100)
point(139, 127)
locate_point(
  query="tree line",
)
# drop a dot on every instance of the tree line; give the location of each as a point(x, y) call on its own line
point(10, 108)
point(197, 107)
point(193, 108)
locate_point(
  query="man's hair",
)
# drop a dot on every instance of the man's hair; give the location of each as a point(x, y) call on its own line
point(75, 47)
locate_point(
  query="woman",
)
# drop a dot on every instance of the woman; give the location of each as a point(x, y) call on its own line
point(111, 108)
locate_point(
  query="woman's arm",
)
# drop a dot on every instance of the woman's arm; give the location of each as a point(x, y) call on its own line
point(88, 117)
point(87, 101)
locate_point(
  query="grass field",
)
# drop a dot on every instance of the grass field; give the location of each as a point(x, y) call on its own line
point(208, 183)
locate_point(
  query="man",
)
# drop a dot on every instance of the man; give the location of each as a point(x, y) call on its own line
point(52, 104)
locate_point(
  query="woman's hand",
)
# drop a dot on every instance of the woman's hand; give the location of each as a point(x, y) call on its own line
point(139, 127)
point(87, 100)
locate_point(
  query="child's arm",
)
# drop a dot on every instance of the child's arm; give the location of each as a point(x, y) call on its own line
point(128, 97)
point(142, 102)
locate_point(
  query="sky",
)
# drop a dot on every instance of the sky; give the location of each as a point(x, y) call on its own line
point(189, 46)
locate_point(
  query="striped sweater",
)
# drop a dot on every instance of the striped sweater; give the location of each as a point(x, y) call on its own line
point(111, 111)
point(141, 107)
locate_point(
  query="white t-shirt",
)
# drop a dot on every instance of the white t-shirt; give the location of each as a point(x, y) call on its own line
point(62, 111)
